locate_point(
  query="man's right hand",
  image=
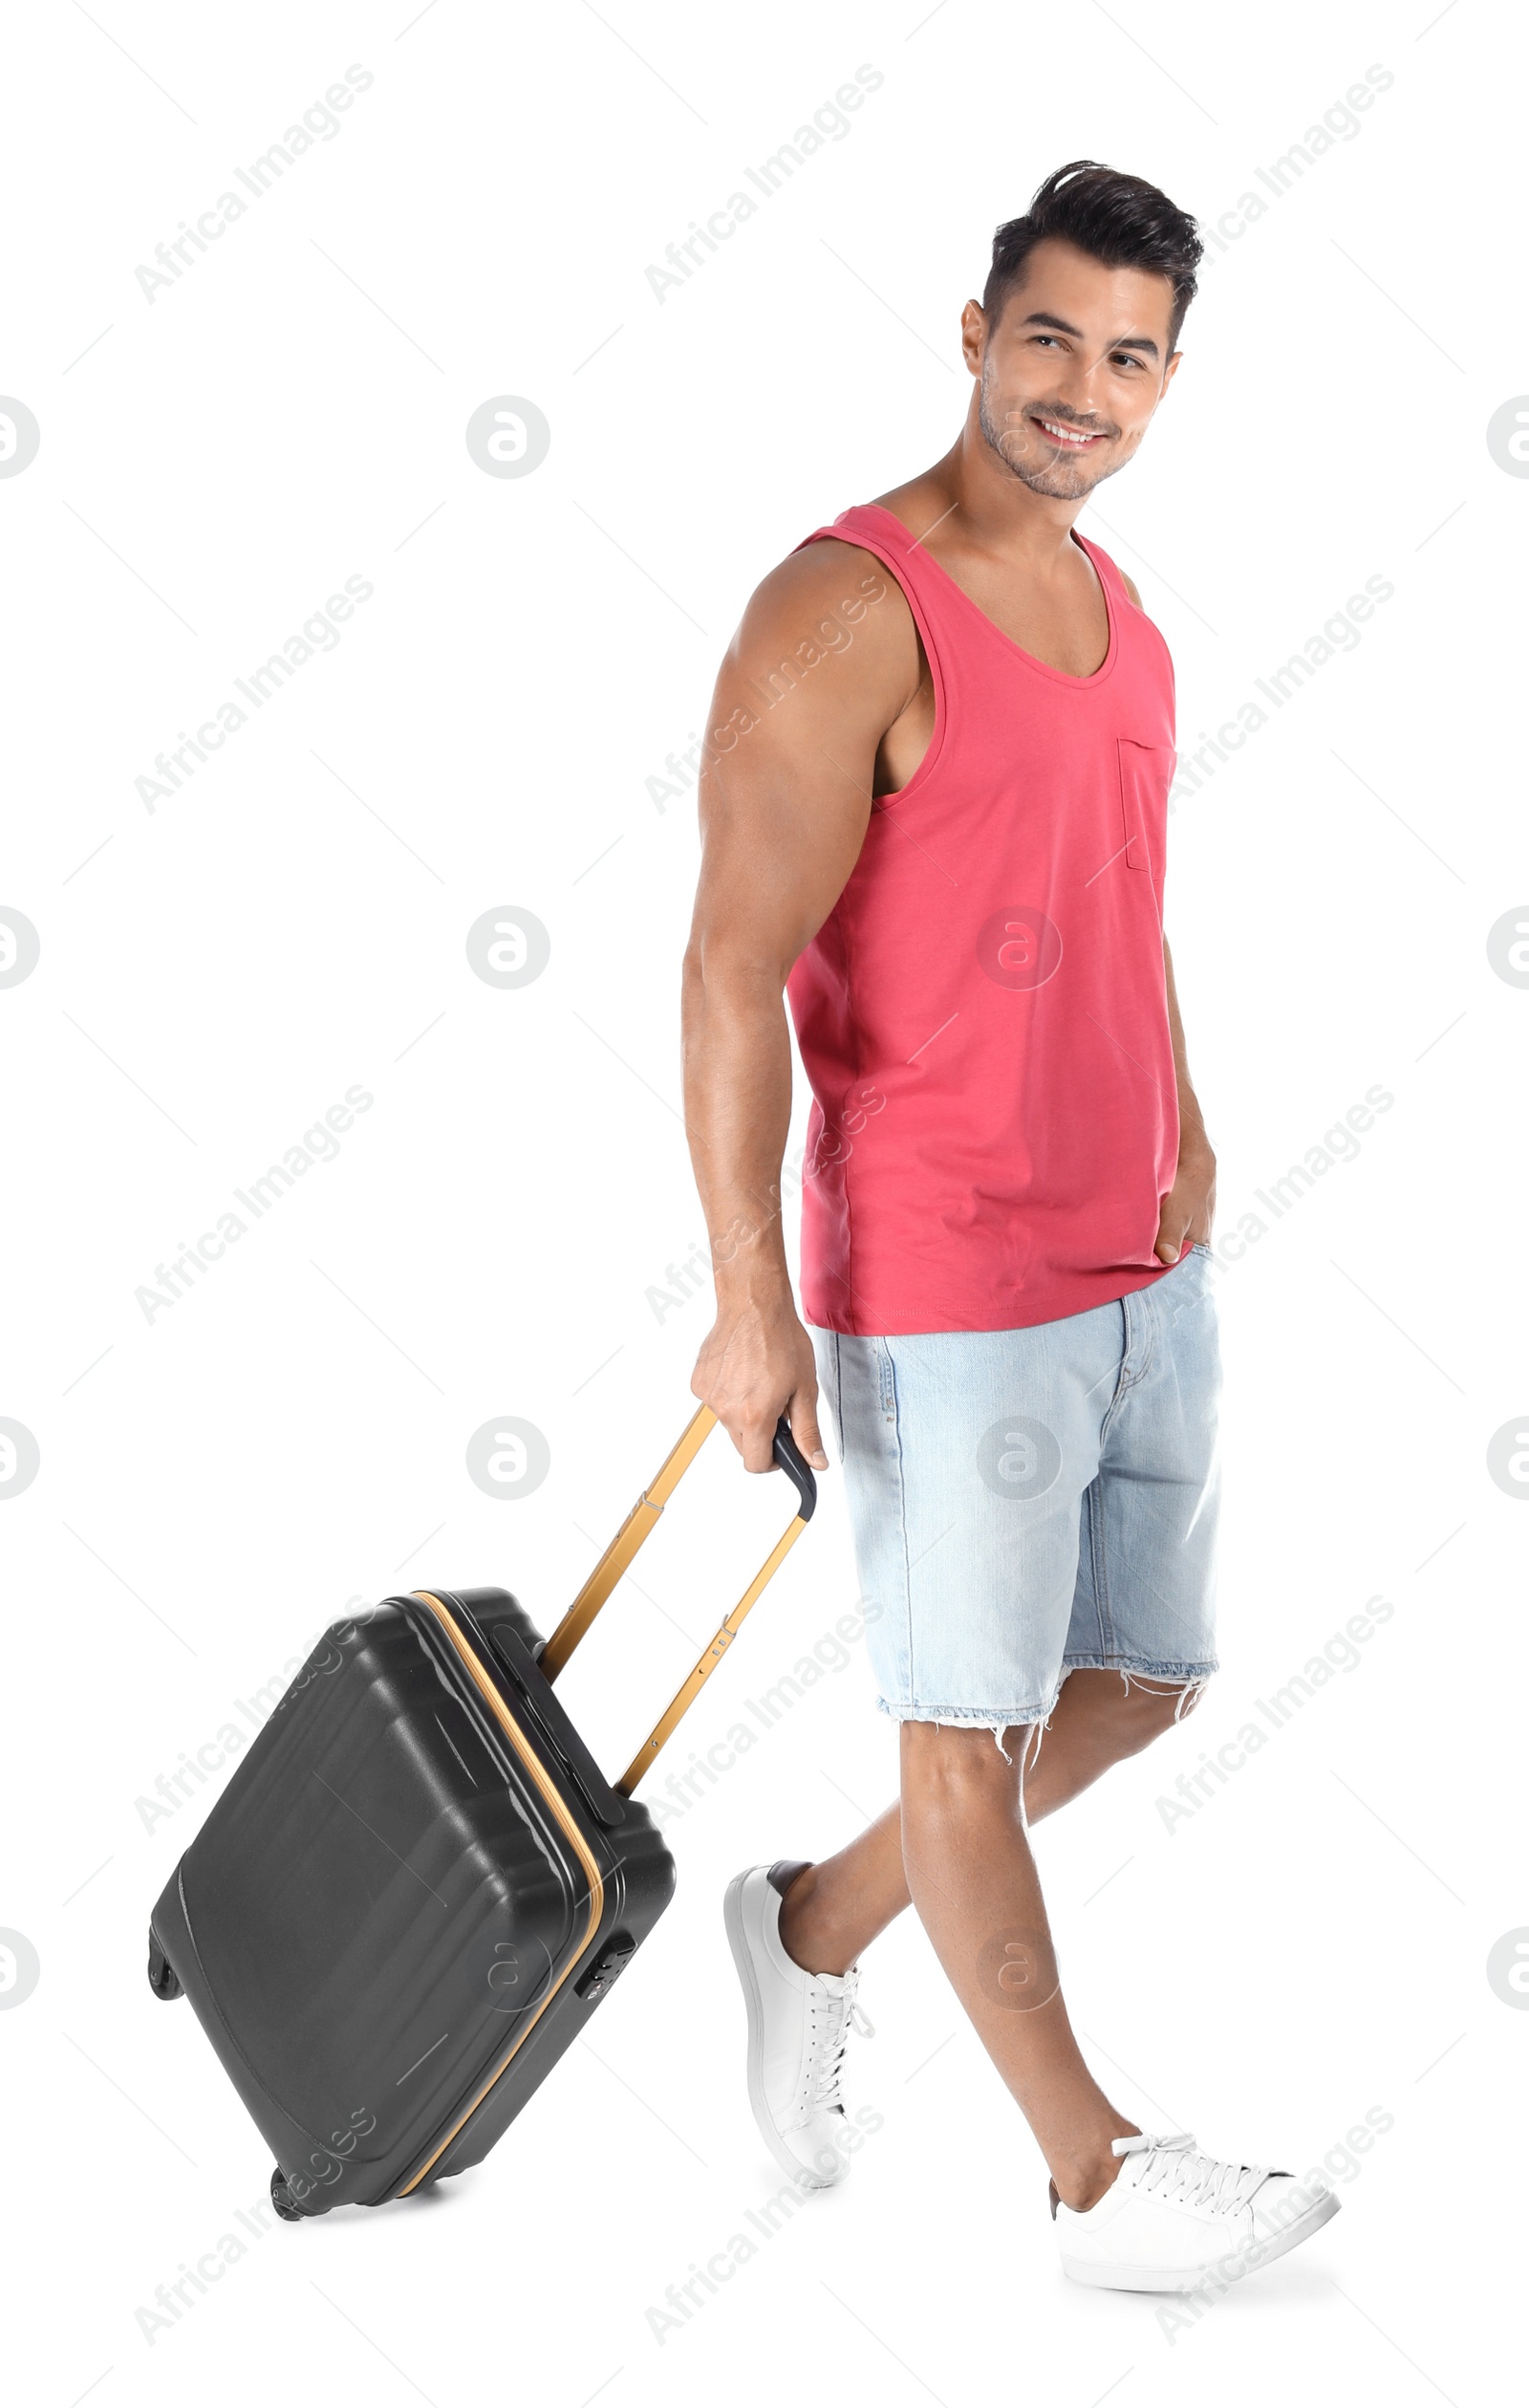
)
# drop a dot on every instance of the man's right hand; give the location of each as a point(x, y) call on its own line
point(756, 1364)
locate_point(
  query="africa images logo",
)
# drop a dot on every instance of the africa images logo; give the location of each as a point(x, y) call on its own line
point(1019, 947)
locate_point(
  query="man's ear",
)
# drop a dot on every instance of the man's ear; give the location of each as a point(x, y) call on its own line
point(973, 334)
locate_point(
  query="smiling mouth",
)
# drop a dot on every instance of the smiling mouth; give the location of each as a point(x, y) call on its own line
point(1067, 438)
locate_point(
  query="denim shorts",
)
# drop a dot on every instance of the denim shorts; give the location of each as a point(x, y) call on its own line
point(1028, 1503)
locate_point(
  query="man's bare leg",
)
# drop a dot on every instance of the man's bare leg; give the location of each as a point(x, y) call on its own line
point(974, 1882)
point(835, 1909)
point(955, 1846)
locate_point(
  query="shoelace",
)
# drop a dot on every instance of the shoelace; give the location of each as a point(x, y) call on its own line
point(833, 2014)
point(1172, 2164)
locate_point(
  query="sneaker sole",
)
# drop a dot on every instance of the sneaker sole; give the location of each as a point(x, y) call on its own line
point(1148, 2278)
point(737, 1941)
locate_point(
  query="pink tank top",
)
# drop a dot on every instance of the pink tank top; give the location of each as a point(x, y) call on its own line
point(984, 1014)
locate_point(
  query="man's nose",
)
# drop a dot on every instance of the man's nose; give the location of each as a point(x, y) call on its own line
point(1076, 388)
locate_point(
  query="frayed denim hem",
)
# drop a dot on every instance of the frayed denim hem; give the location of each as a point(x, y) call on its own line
point(1190, 1680)
point(975, 1718)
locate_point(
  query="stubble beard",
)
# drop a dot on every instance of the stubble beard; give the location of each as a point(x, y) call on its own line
point(1013, 446)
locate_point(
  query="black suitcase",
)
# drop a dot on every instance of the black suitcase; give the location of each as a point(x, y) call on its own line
point(418, 1885)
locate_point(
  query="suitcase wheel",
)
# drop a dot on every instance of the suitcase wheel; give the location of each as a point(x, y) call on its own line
point(163, 1980)
point(281, 2198)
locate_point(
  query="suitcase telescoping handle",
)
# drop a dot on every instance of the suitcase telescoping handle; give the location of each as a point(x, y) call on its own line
point(636, 1527)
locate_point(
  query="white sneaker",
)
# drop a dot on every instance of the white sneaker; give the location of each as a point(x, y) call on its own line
point(798, 2025)
point(1176, 2220)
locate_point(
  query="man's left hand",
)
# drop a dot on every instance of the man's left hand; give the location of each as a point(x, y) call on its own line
point(1189, 1205)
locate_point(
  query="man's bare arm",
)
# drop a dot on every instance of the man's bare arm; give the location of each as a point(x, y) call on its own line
point(823, 661)
point(1190, 1203)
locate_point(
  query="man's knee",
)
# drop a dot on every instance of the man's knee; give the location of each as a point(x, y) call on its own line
point(961, 1768)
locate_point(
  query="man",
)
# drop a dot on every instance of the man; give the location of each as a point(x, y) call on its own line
point(933, 808)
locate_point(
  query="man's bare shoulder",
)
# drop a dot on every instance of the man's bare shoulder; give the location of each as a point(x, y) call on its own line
point(827, 601)
point(831, 577)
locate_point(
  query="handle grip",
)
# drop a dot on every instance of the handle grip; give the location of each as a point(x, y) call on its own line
point(790, 1460)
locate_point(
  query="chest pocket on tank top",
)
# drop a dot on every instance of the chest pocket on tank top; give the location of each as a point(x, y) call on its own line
point(1146, 774)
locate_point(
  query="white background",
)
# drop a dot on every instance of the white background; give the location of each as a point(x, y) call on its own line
point(216, 1483)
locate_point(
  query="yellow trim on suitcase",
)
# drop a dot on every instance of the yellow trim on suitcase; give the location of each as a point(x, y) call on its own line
point(489, 1692)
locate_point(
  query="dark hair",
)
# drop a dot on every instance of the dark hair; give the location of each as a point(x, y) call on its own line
point(1121, 221)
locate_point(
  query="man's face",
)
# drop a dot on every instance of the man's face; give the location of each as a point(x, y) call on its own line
point(1071, 372)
